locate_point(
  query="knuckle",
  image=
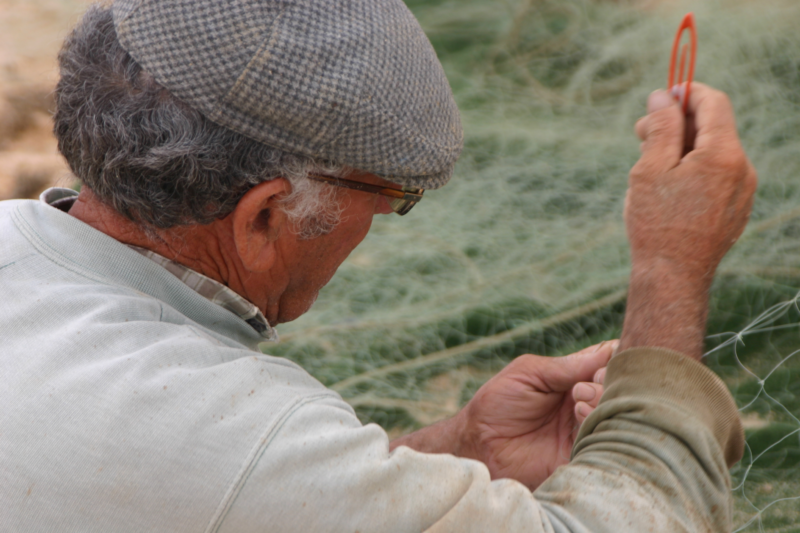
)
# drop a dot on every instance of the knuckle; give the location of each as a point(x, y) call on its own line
point(718, 100)
point(641, 169)
point(729, 162)
point(738, 164)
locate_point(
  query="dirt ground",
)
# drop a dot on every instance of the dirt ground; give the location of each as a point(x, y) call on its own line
point(31, 32)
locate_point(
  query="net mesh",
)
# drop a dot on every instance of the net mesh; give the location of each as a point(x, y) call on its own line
point(525, 250)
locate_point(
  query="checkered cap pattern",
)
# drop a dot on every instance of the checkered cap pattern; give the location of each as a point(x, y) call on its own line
point(352, 81)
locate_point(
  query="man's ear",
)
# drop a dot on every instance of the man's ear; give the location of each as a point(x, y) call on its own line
point(258, 221)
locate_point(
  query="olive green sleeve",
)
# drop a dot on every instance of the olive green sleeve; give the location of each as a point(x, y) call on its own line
point(664, 375)
point(654, 455)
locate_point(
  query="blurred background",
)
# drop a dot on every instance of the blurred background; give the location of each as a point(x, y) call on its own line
point(31, 32)
point(524, 251)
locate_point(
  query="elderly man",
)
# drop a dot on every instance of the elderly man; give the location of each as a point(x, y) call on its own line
point(232, 154)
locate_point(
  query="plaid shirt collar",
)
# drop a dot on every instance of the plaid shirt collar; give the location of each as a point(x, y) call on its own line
point(210, 289)
point(214, 292)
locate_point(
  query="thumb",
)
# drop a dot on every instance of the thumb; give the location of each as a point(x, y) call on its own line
point(562, 373)
point(662, 132)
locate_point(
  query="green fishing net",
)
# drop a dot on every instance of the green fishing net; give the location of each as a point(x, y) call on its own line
point(524, 251)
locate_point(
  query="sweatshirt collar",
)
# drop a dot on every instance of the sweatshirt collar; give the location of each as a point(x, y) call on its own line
point(210, 289)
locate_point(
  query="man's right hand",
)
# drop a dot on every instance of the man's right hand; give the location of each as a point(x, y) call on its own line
point(688, 209)
point(688, 201)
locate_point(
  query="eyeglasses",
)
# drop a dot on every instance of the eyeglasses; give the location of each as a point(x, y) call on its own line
point(400, 200)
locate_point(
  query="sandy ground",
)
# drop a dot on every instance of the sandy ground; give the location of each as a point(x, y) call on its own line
point(31, 32)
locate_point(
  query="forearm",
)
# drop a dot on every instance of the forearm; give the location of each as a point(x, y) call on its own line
point(667, 308)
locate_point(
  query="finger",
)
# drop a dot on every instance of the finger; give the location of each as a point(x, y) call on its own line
point(662, 134)
point(582, 410)
point(655, 102)
point(562, 373)
point(600, 376)
point(589, 393)
point(660, 100)
point(614, 345)
point(690, 132)
point(599, 347)
point(714, 120)
point(641, 128)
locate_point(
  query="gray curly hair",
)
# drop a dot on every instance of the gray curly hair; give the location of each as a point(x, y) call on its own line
point(156, 160)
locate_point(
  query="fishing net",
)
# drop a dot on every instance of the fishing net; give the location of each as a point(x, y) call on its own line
point(525, 250)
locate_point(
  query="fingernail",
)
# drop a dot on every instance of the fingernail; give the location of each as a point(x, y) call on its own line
point(607, 345)
point(583, 409)
point(599, 347)
point(678, 92)
point(659, 100)
point(583, 393)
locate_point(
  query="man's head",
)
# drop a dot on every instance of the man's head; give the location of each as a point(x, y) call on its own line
point(211, 115)
point(171, 110)
point(157, 160)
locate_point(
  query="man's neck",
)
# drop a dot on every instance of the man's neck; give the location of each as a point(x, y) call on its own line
point(202, 248)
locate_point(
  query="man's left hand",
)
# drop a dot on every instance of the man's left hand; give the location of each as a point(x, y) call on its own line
point(522, 422)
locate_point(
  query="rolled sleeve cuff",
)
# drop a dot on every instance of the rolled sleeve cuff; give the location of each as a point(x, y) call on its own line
point(664, 375)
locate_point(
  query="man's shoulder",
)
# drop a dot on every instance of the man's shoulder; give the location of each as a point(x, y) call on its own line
point(11, 236)
point(63, 318)
point(118, 375)
point(147, 407)
point(77, 308)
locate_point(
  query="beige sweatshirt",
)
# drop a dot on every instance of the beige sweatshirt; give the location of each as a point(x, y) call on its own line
point(132, 403)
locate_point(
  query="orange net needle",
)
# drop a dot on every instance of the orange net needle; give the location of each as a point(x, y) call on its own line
point(686, 24)
point(682, 64)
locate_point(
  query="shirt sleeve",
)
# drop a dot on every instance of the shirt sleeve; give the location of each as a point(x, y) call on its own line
point(652, 457)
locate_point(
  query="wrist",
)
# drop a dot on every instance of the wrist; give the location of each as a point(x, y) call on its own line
point(464, 435)
point(445, 436)
point(667, 306)
point(690, 275)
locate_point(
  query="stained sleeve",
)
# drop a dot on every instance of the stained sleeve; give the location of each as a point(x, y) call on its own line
point(652, 457)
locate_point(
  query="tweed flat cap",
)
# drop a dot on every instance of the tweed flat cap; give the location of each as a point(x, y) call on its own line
point(351, 81)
